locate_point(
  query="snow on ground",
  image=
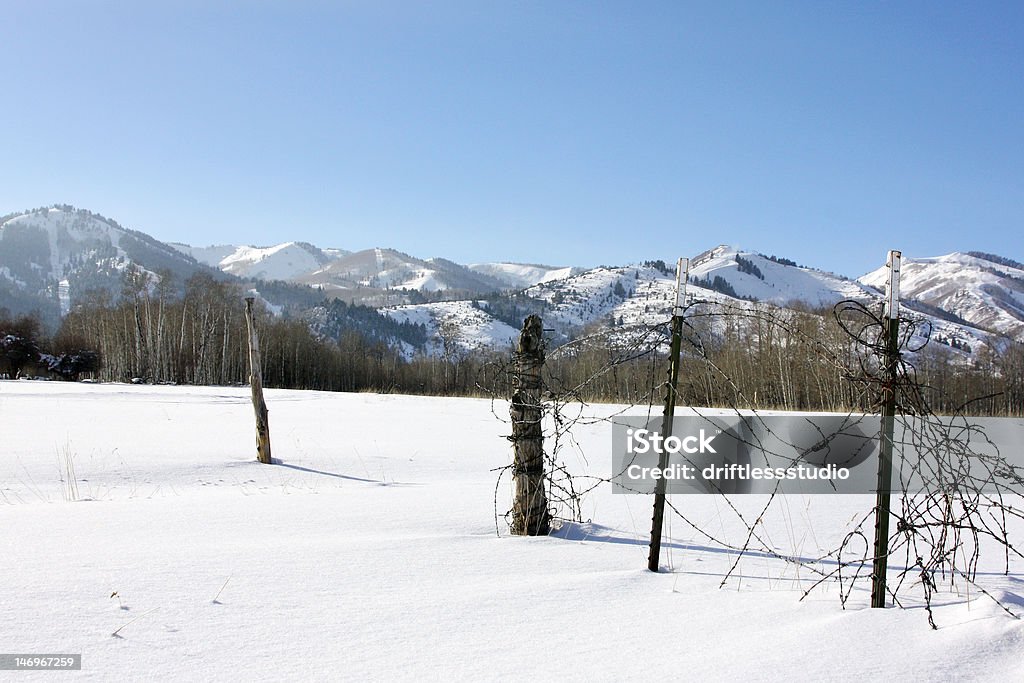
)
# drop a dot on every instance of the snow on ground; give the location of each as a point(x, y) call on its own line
point(370, 553)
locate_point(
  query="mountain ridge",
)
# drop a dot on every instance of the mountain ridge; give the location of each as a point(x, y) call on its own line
point(51, 257)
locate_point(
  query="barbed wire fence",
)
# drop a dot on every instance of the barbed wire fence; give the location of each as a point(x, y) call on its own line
point(969, 495)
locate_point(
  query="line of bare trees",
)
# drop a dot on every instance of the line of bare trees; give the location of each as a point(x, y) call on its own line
point(154, 333)
point(792, 360)
point(766, 358)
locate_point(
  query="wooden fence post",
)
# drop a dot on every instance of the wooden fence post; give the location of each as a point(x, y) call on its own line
point(530, 515)
point(256, 385)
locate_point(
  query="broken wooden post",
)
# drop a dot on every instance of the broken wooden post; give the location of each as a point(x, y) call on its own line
point(530, 515)
point(256, 385)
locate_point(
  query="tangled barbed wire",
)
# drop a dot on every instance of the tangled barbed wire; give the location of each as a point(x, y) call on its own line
point(958, 495)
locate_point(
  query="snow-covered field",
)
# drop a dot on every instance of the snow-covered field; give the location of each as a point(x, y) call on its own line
point(370, 553)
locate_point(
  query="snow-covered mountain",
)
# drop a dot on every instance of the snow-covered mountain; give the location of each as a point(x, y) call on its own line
point(51, 257)
point(523, 275)
point(983, 289)
point(366, 275)
point(643, 296)
point(287, 261)
point(755, 276)
point(377, 270)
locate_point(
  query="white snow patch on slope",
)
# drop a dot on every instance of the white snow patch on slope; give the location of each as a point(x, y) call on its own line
point(422, 279)
point(64, 296)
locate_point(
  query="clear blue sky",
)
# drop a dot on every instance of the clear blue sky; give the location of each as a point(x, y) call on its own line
point(558, 132)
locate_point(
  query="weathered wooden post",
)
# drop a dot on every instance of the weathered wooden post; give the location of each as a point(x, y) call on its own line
point(668, 415)
point(530, 515)
point(891, 317)
point(256, 385)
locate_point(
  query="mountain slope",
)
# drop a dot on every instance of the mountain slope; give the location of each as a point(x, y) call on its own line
point(287, 261)
point(755, 276)
point(377, 270)
point(985, 292)
point(455, 327)
point(374, 270)
point(643, 296)
point(523, 275)
point(51, 257)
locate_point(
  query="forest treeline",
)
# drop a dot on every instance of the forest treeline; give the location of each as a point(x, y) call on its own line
point(196, 334)
point(767, 358)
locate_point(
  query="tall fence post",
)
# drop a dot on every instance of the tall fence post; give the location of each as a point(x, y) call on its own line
point(530, 515)
point(675, 349)
point(891, 318)
point(256, 385)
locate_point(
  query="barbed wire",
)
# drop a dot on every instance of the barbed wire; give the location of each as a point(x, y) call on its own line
point(966, 490)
